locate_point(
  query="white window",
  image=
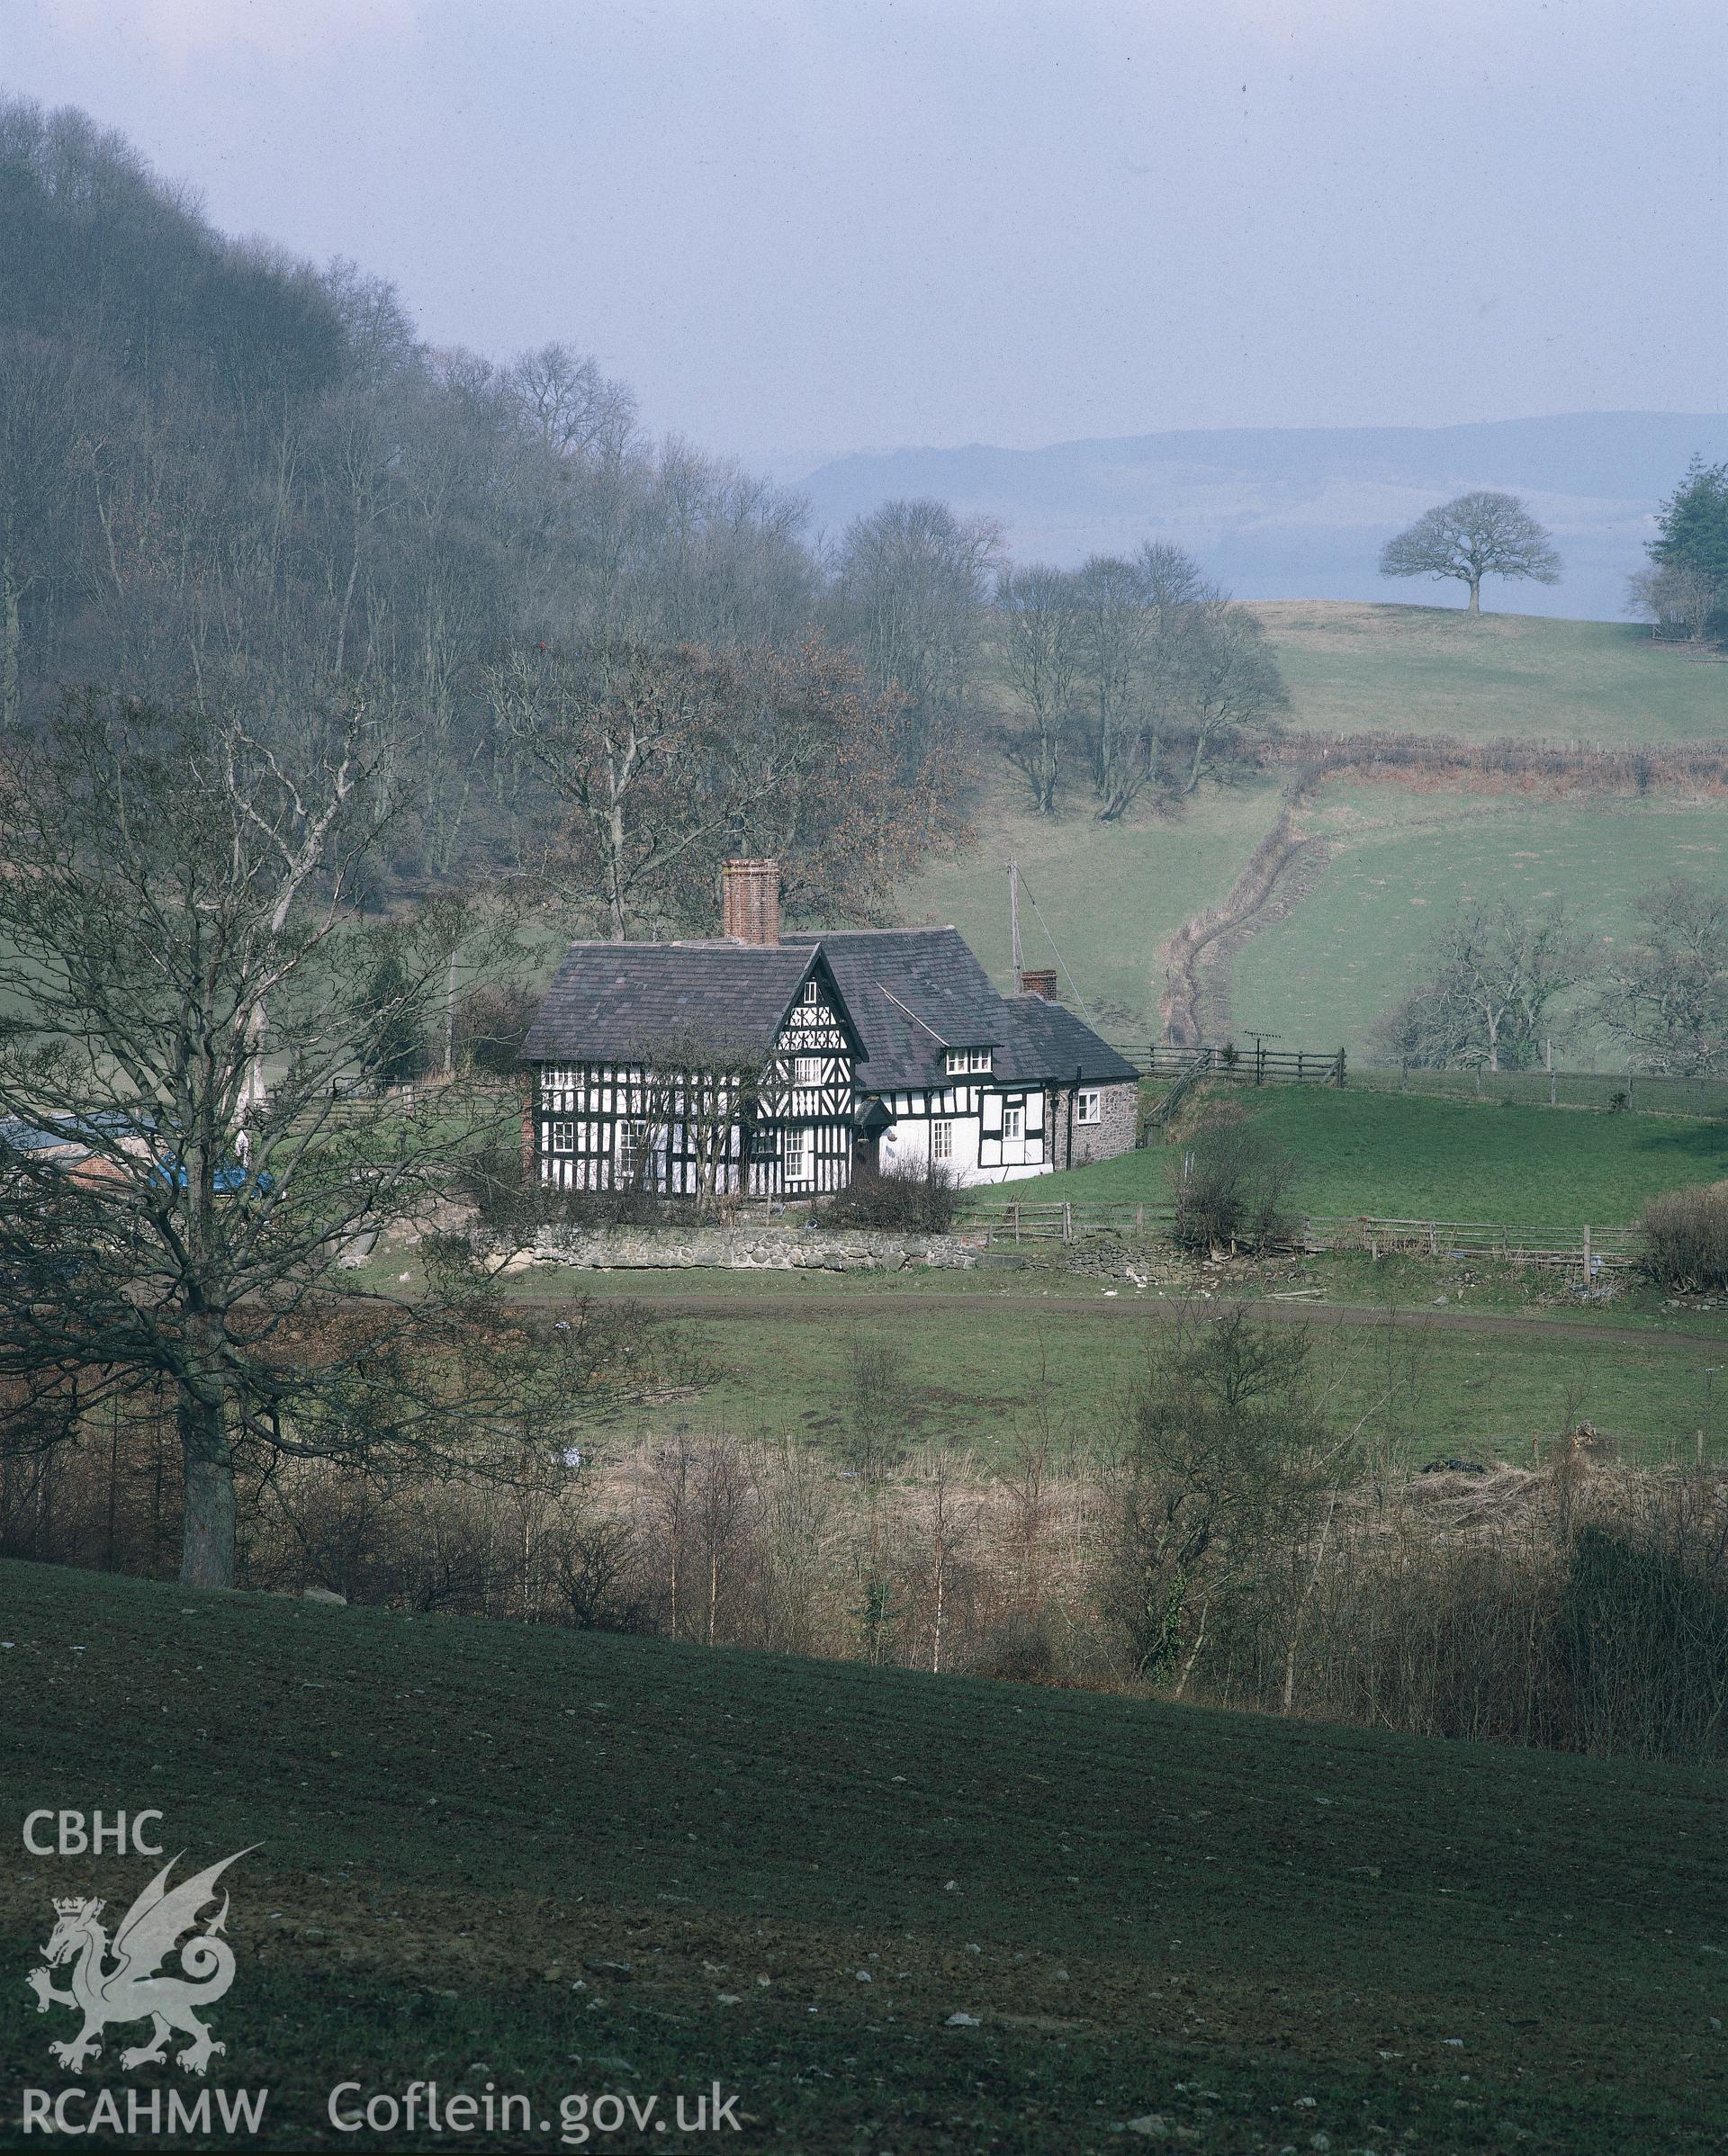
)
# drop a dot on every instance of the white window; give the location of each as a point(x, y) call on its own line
point(942, 1141)
point(807, 1070)
point(968, 1059)
point(631, 1138)
point(563, 1138)
point(812, 993)
point(1088, 1106)
point(1013, 1122)
point(800, 1155)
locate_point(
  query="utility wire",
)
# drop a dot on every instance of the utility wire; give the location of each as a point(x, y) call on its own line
point(1060, 960)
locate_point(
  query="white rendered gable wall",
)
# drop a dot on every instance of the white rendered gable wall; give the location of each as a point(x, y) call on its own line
point(980, 1150)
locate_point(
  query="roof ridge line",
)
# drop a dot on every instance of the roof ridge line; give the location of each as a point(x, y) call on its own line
point(928, 928)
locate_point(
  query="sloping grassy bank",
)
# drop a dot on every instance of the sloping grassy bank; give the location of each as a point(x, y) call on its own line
point(1353, 667)
point(993, 1374)
point(565, 1864)
point(1412, 1157)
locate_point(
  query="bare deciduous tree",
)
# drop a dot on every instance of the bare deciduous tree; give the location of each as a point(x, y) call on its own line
point(630, 740)
point(1499, 973)
point(1228, 1456)
point(1472, 536)
point(1665, 994)
point(1120, 633)
point(1226, 686)
point(173, 926)
point(44, 405)
point(911, 583)
point(575, 408)
point(665, 762)
point(1231, 1184)
point(1676, 594)
point(833, 779)
point(1042, 633)
point(1168, 659)
point(697, 1102)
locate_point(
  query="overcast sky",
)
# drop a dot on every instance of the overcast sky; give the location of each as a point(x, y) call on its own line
point(828, 224)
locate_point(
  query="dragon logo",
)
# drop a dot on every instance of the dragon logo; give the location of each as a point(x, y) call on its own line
point(129, 1988)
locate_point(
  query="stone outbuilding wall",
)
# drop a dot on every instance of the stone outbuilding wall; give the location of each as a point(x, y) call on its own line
point(742, 1249)
point(1114, 1133)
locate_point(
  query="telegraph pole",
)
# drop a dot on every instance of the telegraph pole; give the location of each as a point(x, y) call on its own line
point(1013, 918)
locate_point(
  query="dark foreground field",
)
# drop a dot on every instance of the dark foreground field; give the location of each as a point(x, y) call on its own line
point(572, 1866)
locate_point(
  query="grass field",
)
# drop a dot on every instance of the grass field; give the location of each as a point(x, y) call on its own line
point(1012, 1353)
point(561, 1866)
point(1400, 862)
point(1109, 894)
point(990, 1369)
point(1400, 859)
point(1411, 1156)
point(1353, 668)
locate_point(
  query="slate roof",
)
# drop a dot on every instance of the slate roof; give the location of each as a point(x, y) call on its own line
point(913, 993)
point(624, 1003)
point(1065, 1044)
point(909, 995)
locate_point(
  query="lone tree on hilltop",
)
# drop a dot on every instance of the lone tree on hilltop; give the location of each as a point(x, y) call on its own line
point(1477, 535)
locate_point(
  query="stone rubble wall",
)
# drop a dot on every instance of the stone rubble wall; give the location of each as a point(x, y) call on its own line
point(742, 1249)
point(1120, 1109)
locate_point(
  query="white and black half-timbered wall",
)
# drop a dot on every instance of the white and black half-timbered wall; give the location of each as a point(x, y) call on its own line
point(773, 1127)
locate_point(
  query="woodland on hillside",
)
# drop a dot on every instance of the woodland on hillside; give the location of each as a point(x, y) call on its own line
point(230, 477)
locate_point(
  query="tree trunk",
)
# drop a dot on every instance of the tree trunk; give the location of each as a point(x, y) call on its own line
point(10, 669)
point(615, 870)
point(207, 1548)
point(1475, 595)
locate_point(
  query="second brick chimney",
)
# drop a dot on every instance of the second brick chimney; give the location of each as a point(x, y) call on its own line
point(749, 901)
point(1037, 983)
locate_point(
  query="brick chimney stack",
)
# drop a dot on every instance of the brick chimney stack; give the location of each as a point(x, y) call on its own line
point(749, 901)
point(1037, 983)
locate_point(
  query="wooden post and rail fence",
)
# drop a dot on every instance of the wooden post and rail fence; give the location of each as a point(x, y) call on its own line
point(1589, 1251)
point(1255, 1066)
point(1658, 1092)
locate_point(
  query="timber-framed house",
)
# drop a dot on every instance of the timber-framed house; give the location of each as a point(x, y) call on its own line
point(690, 1069)
point(989, 1088)
point(755, 1065)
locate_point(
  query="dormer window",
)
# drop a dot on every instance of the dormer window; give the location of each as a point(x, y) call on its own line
point(961, 1061)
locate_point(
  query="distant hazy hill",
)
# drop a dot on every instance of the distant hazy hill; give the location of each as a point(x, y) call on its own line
point(1301, 513)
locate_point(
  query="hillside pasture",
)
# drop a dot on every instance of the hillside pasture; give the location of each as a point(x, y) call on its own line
point(1415, 1156)
point(1356, 669)
point(1109, 894)
point(1401, 853)
point(991, 1370)
point(883, 1910)
point(1399, 863)
point(1324, 970)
